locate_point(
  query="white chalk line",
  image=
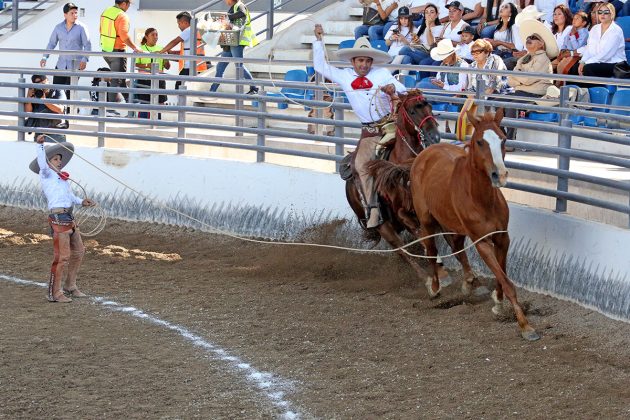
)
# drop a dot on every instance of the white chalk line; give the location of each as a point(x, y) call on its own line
point(273, 387)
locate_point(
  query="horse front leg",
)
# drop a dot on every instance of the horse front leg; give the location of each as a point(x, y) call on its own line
point(387, 232)
point(457, 245)
point(487, 252)
point(501, 243)
point(430, 227)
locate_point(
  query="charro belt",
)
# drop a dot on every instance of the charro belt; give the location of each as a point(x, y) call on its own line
point(60, 210)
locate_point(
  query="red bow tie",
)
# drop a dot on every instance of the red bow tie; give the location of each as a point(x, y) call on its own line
point(361, 82)
point(64, 176)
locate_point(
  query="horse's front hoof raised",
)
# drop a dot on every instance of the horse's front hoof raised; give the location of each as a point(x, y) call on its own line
point(429, 285)
point(530, 334)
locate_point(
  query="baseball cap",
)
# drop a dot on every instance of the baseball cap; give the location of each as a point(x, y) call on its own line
point(403, 11)
point(70, 6)
point(456, 5)
point(468, 30)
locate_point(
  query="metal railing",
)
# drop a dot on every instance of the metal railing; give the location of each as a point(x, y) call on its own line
point(16, 15)
point(262, 115)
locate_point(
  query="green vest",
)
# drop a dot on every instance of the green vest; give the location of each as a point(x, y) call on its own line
point(148, 49)
point(248, 38)
point(108, 30)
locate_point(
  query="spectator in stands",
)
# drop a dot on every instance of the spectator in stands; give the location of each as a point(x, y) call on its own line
point(541, 48)
point(183, 40)
point(239, 17)
point(605, 45)
point(481, 51)
point(425, 38)
point(387, 10)
point(446, 53)
point(506, 38)
point(400, 35)
point(592, 9)
point(473, 10)
point(70, 35)
point(150, 45)
point(115, 37)
point(546, 7)
point(463, 48)
point(568, 60)
point(46, 108)
point(440, 5)
point(561, 25)
point(450, 30)
point(489, 19)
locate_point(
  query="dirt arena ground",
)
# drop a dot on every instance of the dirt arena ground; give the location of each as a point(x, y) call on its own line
point(348, 333)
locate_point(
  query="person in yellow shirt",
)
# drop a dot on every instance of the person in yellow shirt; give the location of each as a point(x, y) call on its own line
point(150, 45)
point(114, 31)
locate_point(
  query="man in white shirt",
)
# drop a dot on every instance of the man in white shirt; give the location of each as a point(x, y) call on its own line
point(67, 243)
point(370, 92)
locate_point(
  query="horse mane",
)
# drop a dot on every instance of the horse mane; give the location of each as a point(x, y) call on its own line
point(392, 182)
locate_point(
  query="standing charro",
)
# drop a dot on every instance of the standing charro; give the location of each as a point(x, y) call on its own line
point(370, 92)
point(238, 14)
point(67, 243)
point(114, 32)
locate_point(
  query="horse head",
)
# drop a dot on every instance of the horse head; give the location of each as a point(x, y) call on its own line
point(415, 121)
point(487, 146)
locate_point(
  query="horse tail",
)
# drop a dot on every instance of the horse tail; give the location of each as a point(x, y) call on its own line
point(392, 181)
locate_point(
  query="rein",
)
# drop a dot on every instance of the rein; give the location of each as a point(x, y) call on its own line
point(408, 120)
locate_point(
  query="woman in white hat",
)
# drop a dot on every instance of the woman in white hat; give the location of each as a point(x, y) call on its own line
point(67, 243)
point(370, 92)
point(446, 53)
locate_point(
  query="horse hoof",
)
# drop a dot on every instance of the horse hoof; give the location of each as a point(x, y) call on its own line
point(467, 288)
point(446, 281)
point(498, 310)
point(530, 335)
point(429, 286)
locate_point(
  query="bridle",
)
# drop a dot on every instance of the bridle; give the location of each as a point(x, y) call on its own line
point(420, 134)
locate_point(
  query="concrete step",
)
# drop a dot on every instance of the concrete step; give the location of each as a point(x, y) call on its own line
point(292, 54)
point(340, 27)
point(330, 39)
point(356, 11)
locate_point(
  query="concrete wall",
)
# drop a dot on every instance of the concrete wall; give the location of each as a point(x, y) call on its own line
point(567, 257)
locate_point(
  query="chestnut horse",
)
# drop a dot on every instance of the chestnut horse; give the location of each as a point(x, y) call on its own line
point(456, 190)
point(416, 129)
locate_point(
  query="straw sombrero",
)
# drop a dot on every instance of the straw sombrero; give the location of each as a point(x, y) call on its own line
point(56, 149)
point(530, 12)
point(362, 48)
point(443, 49)
point(530, 26)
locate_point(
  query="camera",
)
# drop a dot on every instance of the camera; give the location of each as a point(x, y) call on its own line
point(38, 93)
point(395, 31)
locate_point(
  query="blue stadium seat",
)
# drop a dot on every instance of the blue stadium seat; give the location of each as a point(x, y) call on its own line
point(543, 116)
point(627, 52)
point(380, 44)
point(346, 43)
point(621, 98)
point(296, 75)
point(408, 81)
point(599, 95)
point(576, 119)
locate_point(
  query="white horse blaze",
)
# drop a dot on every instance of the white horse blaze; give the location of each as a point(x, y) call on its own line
point(495, 148)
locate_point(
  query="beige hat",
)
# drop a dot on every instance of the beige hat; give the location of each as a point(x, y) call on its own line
point(530, 12)
point(443, 49)
point(530, 27)
point(363, 48)
point(65, 149)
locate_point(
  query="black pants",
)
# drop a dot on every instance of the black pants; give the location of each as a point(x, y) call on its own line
point(597, 70)
point(119, 65)
point(146, 98)
point(184, 72)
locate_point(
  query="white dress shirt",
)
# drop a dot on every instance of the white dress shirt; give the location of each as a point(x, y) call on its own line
point(448, 31)
point(370, 105)
point(56, 190)
point(607, 48)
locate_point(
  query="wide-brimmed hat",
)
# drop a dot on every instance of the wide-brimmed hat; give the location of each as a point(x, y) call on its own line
point(363, 48)
point(65, 149)
point(443, 49)
point(530, 27)
point(530, 12)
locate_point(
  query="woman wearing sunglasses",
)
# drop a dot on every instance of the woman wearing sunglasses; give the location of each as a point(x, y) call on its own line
point(605, 46)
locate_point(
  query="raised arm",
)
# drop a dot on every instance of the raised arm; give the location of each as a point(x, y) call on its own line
point(319, 59)
point(44, 169)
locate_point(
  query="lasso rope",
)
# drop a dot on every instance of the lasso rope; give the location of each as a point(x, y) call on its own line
point(242, 238)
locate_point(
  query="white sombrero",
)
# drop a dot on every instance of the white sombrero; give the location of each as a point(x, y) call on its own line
point(530, 26)
point(362, 48)
point(443, 49)
point(56, 149)
point(530, 12)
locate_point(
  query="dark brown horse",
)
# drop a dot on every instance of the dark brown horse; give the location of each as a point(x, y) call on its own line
point(456, 190)
point(416, 129)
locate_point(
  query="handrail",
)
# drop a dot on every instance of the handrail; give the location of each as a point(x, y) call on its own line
point(16, 15)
